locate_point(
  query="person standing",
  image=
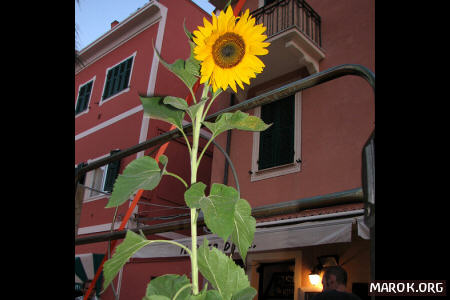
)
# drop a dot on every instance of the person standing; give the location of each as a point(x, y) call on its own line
point(334, 283)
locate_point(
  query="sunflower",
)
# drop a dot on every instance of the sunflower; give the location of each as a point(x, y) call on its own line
point(227, 49)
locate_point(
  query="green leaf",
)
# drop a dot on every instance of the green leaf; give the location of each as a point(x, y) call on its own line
point(194, 194)
point(155, 108)
point(176, 102)
point(236, 120)
point(155, 297)
point(167, 286)
point(188, 33)
point(142, 173)
point(206, 295)
point(132, 243)
point(163, 160)
point(224, 213)
point(221, 271)
point(180, 70)
point(246, 294)
point(192, 65)
point(244, 227)
point(193, 109)
point(218, 207)
point(212, 295)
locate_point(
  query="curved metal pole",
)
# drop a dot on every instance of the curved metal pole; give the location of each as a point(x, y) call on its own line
point(233, 170)
point(302, 84)
point(281, 92)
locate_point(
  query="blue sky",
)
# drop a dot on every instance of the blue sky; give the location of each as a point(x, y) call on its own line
point(93, 17)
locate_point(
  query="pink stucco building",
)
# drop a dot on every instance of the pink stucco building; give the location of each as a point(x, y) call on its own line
point(310, 160)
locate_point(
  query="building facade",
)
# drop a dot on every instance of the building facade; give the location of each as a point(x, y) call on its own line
point(115, 70)
point(302, 177)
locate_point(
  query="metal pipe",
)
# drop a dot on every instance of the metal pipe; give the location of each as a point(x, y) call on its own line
point(350, 196)
point(268, 97)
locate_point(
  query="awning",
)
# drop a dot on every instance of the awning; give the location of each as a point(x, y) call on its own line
point(279, 237)
point(86, 266)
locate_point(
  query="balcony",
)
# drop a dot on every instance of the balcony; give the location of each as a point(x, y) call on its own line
point(294, 31)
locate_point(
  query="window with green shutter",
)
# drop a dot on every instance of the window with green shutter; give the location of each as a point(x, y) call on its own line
point(84, 94)
point(111, 174)
point(117, 78)
point(104, 177)
point(276, 144)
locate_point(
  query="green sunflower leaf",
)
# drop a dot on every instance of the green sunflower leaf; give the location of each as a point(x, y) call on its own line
point(192, 65)
point(176, 102)
point(236, 120)
point(142, 173)
point(220, 270)
point(167, 286)
point(188, 33)
point(224, 213)
point(218, 209)
point(131, 244)
point(194, 194)
point(206, 295)
point(244, 227)
point(155, 297)
point(179, 69)
point(245, 294)
point(193, 109)
point(155, 108)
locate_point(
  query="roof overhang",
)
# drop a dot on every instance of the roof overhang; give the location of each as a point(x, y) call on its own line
point(134, 24)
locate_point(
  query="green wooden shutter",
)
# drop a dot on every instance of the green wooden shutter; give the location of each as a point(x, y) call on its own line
point(111, 173)
point(83, 98)
point(127, 72)
point(107, 85)
point(117, 78)
point(276, 144)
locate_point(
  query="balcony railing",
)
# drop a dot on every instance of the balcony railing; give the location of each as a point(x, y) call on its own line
point(285, 14)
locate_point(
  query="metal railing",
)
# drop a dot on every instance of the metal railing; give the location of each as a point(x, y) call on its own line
point(265, 98)
point(285, 14)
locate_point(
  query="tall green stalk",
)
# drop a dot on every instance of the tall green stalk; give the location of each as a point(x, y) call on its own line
point(194, 167)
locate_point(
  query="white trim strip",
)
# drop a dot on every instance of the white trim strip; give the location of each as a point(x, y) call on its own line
point(109, 122)
point(97, 228)
point(153, 72)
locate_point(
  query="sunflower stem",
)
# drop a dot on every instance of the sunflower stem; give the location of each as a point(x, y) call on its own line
point(197, 122)
point(210, 102)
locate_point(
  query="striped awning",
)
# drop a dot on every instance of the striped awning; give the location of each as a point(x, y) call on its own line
point(86, 266)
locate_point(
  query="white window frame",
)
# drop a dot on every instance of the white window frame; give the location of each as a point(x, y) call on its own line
point(282, 169)
point(90, 96)
point(89, 181)
point(102, 101)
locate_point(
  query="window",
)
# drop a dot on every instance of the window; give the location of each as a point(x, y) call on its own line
point(117, 78)
point(84, 95)
point(102, 179)
point(276, 151)
point(276, 144)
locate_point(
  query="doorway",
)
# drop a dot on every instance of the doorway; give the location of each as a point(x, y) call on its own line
point(276, 280)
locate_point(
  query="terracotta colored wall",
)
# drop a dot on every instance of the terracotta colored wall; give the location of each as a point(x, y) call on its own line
point(337, 116)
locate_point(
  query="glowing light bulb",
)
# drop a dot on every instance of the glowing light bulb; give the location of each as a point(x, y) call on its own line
point(314, 279)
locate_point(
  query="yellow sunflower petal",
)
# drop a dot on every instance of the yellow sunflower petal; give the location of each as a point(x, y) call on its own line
point(227, 49)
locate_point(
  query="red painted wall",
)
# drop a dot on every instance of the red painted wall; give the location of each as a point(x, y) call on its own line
point(125, 133)
point(337, 117)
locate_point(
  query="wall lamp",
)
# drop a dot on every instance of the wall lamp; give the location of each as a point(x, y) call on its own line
point(324, 261)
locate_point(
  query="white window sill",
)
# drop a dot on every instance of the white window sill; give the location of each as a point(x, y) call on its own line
point(275, 171)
